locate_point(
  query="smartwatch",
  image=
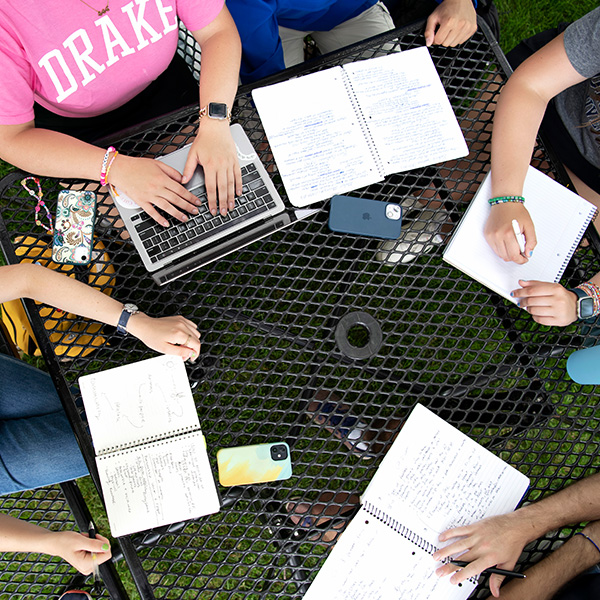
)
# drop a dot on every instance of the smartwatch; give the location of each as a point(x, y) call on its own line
point(128, 310)
point(585, 304)
point(216, 110)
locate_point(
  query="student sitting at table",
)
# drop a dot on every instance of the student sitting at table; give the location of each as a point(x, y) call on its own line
point(273, 32)
point(569, 573)
point(557, 87)
point(75, 72)
point(37, 445)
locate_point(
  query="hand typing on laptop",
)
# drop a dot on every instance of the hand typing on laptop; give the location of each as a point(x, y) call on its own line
point(152, 184)
point(214, 149)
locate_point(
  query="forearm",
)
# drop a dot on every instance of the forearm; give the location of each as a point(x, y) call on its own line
point(53, 288)
point(50, 153)
point(20, 536)
point(576, 503)
point(549, 575)
point(516, 122)
point(221, 55)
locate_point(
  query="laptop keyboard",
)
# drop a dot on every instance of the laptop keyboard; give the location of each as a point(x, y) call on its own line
point(161, 242)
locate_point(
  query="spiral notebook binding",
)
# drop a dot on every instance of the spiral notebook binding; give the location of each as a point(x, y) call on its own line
point(398, 527)
point(576, 242)
point(363, 123)
point(404, 531)
point(149, 439)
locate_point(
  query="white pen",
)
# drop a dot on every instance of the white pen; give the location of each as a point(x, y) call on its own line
point(520, 237)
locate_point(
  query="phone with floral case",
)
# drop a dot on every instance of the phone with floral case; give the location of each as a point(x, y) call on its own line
point(74, 227)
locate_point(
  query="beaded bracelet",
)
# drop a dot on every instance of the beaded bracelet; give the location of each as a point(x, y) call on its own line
point(109, 165)
point(592, 290)
point(503, 199)
point(589, 539)
point(105, 164)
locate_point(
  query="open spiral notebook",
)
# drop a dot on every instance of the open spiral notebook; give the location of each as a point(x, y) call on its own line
point(433, 478)
point(150, 452)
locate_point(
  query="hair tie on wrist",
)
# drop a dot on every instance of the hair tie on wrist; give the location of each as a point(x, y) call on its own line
point(503, 199)
point(589, 539)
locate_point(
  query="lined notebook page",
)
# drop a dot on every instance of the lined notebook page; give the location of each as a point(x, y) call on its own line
point(370, 561)
point(315, 136)
point(139, 401)
point(158, 484)
point(560, 218)
point(406, 110)
point(441, 478)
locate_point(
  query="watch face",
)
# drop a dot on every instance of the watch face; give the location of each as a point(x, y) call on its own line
point(585, 307)
point(217, 110)
point(130, 308)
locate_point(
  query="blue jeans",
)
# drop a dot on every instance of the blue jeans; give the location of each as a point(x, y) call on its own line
point(37, 444)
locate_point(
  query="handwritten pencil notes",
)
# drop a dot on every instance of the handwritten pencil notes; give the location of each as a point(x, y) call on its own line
point(560, 218)
point(346, 127)
point(150, 451)
point(424, 485)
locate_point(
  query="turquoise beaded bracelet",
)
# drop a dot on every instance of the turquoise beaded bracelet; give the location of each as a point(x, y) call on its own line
point(503, 199)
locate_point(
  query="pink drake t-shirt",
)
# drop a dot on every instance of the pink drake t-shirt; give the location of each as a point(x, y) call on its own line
point(77, 63)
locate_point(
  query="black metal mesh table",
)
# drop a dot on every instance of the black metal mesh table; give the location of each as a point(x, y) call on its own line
point(308, 317)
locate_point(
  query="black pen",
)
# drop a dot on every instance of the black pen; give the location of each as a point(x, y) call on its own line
point(462, 563)
point(96, 573)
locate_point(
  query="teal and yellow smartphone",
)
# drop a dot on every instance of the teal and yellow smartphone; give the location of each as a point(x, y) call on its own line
point(259, 463)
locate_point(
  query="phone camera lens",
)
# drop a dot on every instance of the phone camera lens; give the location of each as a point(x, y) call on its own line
point(279, 452)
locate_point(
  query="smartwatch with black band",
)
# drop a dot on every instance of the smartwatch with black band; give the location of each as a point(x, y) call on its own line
point(585, 304)
point(128, 310)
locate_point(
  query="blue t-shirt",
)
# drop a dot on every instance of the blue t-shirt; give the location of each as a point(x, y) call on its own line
point(258, 23)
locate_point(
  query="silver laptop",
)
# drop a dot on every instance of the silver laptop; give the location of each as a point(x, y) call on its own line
point(169, 253)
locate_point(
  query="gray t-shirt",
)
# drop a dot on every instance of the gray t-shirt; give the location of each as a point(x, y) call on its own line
point(579, 105)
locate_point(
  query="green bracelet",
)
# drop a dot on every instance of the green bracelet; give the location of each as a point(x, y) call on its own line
point(503, 199)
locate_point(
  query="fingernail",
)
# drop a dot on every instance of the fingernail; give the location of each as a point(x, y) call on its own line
point(105, 547)
point(231, 206)
point(194, 211)
point(165, 223)
point(512, 294)
point(213, 211)
point(531, 253)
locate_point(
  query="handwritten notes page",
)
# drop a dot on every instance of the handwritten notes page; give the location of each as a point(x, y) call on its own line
point(560, 218)
point(434, 477)
point(151, 454)
point(346, 127)
point(406, 110)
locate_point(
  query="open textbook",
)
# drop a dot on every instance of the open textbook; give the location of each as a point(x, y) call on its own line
point(433, 477)
point(150, 452)
point(560, 218)
point(346, 127)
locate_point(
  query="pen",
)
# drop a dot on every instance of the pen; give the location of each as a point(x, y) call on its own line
point(520, 237)
point(462, 563)
point(96, 572)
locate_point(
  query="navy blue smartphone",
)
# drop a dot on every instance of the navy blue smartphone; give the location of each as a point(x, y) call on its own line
point(362, 216)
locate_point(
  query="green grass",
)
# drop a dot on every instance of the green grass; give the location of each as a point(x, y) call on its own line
point(519, 19)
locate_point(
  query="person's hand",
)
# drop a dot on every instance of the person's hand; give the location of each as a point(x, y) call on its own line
point(547, 303)
point(500, 235)
point(495, 541)
point(151, 183)
point(215, 150)
point(168, 335)
point(77, 549)
point(451, 23)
